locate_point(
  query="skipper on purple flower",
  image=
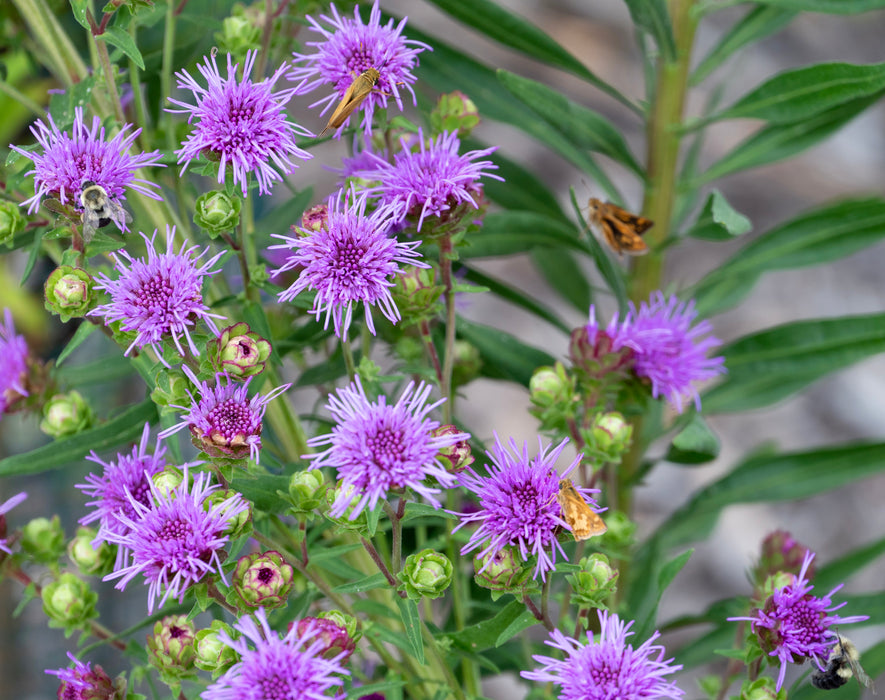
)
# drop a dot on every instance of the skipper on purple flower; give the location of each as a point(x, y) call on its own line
point(583, 520)
point(359, 90)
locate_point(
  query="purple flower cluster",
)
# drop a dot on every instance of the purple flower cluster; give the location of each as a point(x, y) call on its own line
point(240, 123)
point(159, 297)
point(668, 350)
point(67, 161)
point(82, 682)
point(377, 447)
point(14, 367)
point(607, 666)
point(518, 505)
point(350, 49)
point(794, 625)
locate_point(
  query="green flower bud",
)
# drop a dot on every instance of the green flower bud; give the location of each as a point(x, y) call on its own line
point(426, 574)
point(239, 33)
point(69, 603)
point(92, 559)
point(454, 112)
point(314, 219)
point(171, 390)
point(417, 293)
point(237, 525)
point(263, 580)
point(171, 649)
point(456, 458)
point(551, 386)
point(66, 414)
point(211, 653)
point(359, 524)
point(595, 582)
point(609, 437)
point(44, 540)
point(780, 553)
point(11, 221)
point(307, 491)
point(349, 623)
point(217, 212)
point(468, 362)
point(502, 572)
point(168, 480)
point(238, 351)
point(763, 688)
point(69, 292)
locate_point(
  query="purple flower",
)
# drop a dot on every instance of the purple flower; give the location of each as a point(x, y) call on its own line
point(224, 420)
point(518, 504)
point(271, 666)
point(667, 350)
point(83, 683)
point(794, 625)
point(353, 260)
point(67, 161)
point(158, 297)
point(123, 480)
point(351, 49)
point(175, 539)
point(430, 181)
point(240, 123)
point(14, 367)
point(5, 507)
point(607, 666)
point(378, 447)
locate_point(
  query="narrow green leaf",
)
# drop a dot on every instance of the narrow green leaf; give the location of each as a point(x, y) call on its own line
point(781, 141)
point(380, 687)
point(768, 366)
point(581, 126)
point(718, 221)
point(368, 583)
point(412, 624)
point(81, 334)
point(79, 7)
point(696, 443)
point(833, 7)
point(516, 232)
point(509, 29)
point(652, 16)
point(757, 24)
point(263, 491)
point(646, 612)
point(523, 622)
point(771, 478)
point(503, 355)
point(797, 95)
point(123, 41)
point(485, 634)
point(107, 369)
point(124, 427)
point(34, 253)
point(562, 272)
point(830, 575)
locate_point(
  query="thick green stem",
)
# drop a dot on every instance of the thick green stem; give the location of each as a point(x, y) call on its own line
point(107, 69)
point(349, 363)
point(445, 264)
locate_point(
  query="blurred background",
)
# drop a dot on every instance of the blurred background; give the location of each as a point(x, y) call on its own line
point(845, 406)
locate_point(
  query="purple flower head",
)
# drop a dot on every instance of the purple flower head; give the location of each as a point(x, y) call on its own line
point(518, 505)
point(353, 260)
point(351, 49)
point(240, 123)
point(175, 539)
point(5, 507)
point(14, 367)
point(158, 297)
point(794, 625)
point(607, 666)
point(667, 350)
point(82, 682)
point(223, 419)
point(122, 481)
point(430, 181)
point(378, 447)
point(67, 161)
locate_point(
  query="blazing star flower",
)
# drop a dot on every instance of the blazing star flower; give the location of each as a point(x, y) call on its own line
point(667, 350)
point(14, 368)
point(82, 682)
point(794, 625)
point(123, 480)
point(5, 507)
point(240, 123)
point(271, 666)
point(351, 49)
point(67, 161)
point(518, 505)
point(158, 297)
point(352, 260)
point(224, 420)
point(377, 447)
point(607, 666)
point(175, 539)
point(430, 181)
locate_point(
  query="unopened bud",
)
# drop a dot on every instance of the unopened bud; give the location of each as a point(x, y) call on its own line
point(239, 352)
point(263, 579)
point(217, 212)
point(69, 292)
point(69, 603)
point(454, 112)
point(426, 574)
point(66, 414)
point(171, 649)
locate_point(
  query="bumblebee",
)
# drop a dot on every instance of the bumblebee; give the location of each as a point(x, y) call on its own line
point(99, 209)
point(842, 664)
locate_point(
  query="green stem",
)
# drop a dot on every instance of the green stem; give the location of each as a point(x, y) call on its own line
point(22, 99)
point(284, 421)
point(166, 72)
point(349, 363)
point(440, 662)
point(445, 264)
point(101, 48)
point(60, 55)
point(141, 115)
point(247, 243)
